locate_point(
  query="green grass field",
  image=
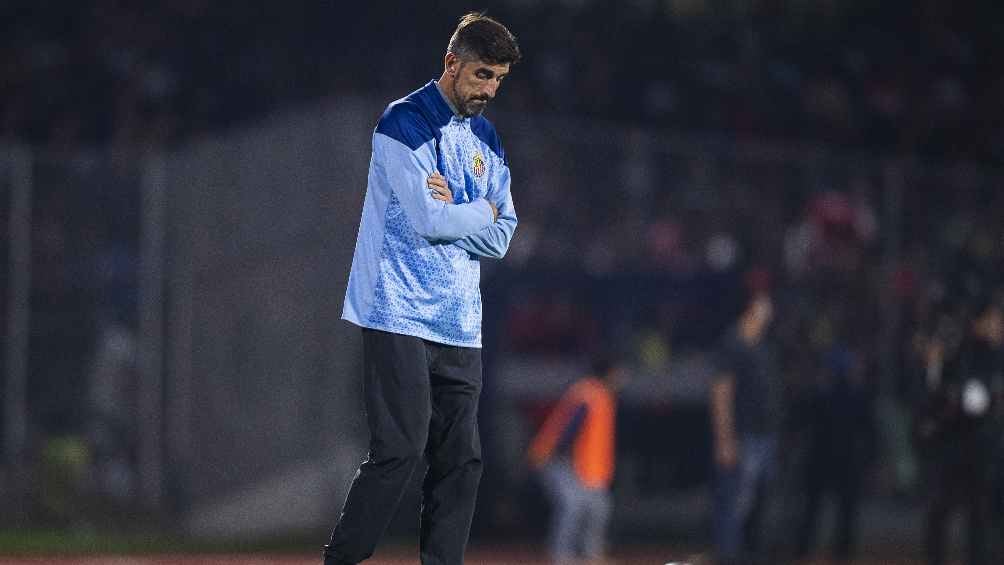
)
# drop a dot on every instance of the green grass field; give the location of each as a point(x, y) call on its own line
point(83, 548)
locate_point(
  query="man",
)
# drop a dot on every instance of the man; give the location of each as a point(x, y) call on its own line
point(574, 451)
point(958, 431)
point(437, 199)
point(744, 406)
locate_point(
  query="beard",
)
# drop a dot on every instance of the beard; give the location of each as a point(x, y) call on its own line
point(473, 107)
point(469, 107)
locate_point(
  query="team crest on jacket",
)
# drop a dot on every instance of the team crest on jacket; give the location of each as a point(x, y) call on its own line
point(479, 164)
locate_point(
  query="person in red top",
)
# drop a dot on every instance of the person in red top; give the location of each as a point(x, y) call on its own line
point(574, 453)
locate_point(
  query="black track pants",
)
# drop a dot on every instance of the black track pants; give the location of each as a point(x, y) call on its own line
point(421, 406)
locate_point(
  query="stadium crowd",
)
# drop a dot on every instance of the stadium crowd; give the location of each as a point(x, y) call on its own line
point(868, 77)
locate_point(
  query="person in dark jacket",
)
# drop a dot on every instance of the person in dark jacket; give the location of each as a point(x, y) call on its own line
point(744, 403)
point(957, 430)
point(841, 426)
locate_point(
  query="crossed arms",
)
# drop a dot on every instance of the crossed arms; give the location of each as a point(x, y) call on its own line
point(483, 227)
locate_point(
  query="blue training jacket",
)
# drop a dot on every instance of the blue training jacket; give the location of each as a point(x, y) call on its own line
point(416, 268)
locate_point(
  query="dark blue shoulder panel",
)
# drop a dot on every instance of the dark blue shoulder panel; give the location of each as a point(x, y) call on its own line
point(416, 118)
point(487, 134)
point(403, 121)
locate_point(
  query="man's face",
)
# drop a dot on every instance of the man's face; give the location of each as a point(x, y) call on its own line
point(763, 310)
point(618, 378)
point(475, 85)
point(993, 326)
point(759, 315)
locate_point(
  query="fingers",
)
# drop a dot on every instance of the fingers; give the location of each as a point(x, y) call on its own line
point(439, 189)
point(437, 179)
point(441, 193)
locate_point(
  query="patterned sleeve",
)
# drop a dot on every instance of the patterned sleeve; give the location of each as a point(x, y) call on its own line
point(493, 241)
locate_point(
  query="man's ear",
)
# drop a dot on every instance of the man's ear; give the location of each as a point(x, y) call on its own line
point(452, 63)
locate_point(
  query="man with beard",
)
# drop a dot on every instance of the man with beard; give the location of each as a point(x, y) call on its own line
point(437, 200)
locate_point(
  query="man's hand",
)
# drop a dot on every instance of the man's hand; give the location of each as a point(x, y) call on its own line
point(726, 454)
point(440, 191)
point(722, 403)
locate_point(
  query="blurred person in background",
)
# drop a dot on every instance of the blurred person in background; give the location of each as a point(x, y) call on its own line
point(745, 405)
point(957, 428)
point(574, 454)
point(414, 289)
point(841, 430)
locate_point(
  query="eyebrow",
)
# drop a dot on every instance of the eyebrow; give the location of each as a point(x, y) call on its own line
point(490, 73)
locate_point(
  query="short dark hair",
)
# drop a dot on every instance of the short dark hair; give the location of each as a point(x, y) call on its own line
point(485, 39)
point(603, 364)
